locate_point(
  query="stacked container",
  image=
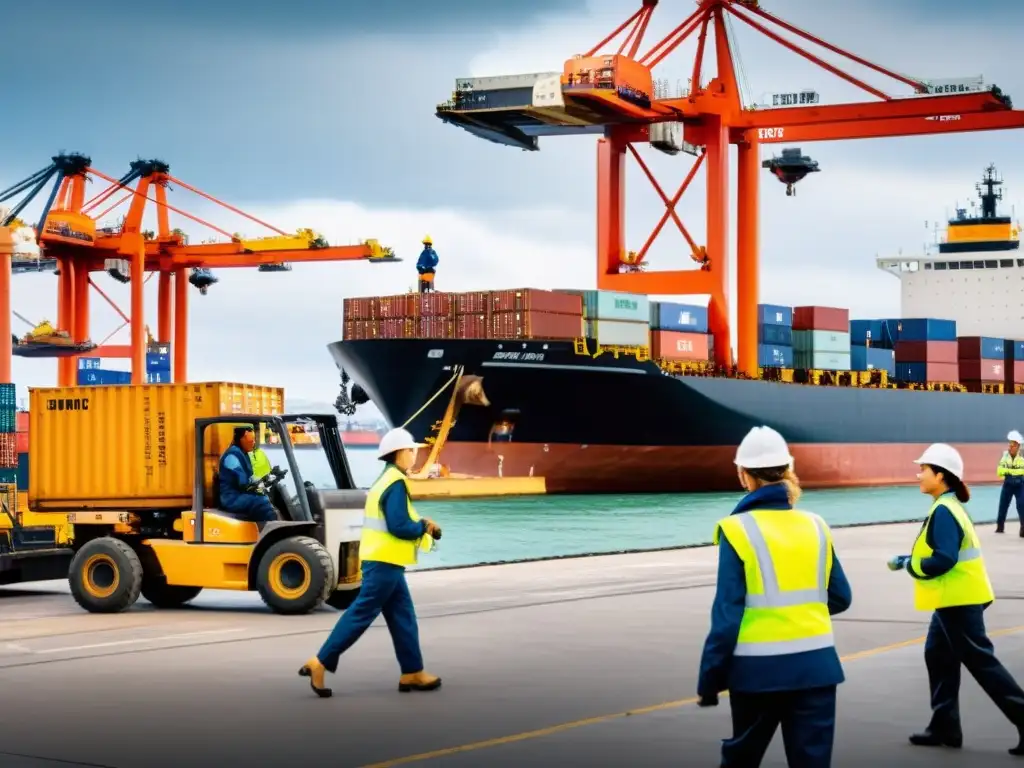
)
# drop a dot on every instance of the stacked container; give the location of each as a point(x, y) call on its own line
point(8, 436)
point(158, 364)
point(821, 338)
point(926, 350)
point(869, 351)
point(981, 361)
point(679, 332)
point(530, 313)
point(1013, 365)
point(774, 336)
point(21, 446)
point(616, 319)
point(91, 372)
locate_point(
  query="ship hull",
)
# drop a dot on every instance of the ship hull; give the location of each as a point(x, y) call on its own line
point(617, 425)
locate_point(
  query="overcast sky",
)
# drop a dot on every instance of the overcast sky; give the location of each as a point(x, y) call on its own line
point(319, 114)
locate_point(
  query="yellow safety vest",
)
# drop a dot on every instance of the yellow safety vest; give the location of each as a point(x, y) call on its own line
point(1011, 466)
point(376, 542)
point(967, 583)
point(787, 558)
point(260, 463)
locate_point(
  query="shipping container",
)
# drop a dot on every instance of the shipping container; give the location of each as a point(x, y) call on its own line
point(926, 352)
point(980, 348)
point(8, 419)
point(770, 334)
point(987, 371)
point(822, 341)
point(821, 319)
point(620, 74)
point(1014, 372)
point(773, 314)
point(471, 326)
point(536, 300)
point(22, 474)
point(1015, 349)
point(9, 450)
point(157, 363)
point(536, 325)
point(361, 308)
point(675, 345)
point(923, 373)
point(89, 363)
point(774, 356)
point(473, 303)
point(821, 361)
point(685, 318)
point(8, 396)
point(919, 329)
point(8, 476)
point(619, 333)
point(130, 447)
point(399, 327)
point(158, 377)
point(615, 305)
point(103, 377)
point(864, 358)
point(21, 442)
point(869, 333)
point(435, 304)
point(433, 328)
point(21, 421)
point(360, 330)
point(398, 306)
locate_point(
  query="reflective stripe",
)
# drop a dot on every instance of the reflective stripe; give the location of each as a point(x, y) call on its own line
point(781, 647)
point(375, 524)
point(972, 553)
point(773, 596)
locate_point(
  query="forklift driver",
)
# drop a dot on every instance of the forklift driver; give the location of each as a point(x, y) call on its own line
point(237, 483)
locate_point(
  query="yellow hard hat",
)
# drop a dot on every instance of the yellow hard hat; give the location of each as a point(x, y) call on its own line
point(427, 240)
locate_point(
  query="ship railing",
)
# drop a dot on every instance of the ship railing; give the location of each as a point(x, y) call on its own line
point(582, 347)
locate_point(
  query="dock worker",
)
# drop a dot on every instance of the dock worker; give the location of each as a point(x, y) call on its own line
point(392, 537)
point(426, 265)
point(771, 644)
point(236, 481)
point(951, 581)
point(1011, 470)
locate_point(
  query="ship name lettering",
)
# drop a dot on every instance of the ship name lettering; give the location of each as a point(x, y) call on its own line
point(523, 356)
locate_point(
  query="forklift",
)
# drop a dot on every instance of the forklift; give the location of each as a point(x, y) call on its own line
point(310, 556)
point(27, 552)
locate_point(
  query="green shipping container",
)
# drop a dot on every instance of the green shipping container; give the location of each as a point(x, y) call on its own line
point(821, 361)
point(615, 305)
point(821, 341)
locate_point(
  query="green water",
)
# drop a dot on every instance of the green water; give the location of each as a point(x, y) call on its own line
point(496, 530)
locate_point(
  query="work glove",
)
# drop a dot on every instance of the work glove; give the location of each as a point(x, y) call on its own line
point(899, 562)
point(708, 700)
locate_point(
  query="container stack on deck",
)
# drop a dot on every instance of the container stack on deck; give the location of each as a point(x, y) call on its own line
point(821, 338)
point(91, 372)
point(8, 439)
point(616, 319)
point(21, 443)
point(869, 351)
point(679, 332)
point(529, 313)
point(1013, 366)
point(774, 336)
point(926, 350)
point(981, 361)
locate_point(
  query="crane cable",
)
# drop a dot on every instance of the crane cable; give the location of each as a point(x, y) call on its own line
point(746, 92)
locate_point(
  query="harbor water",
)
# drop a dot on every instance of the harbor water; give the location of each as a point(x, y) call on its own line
point(507, 529)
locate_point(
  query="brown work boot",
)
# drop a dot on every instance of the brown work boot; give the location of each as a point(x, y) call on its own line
point(316, 672)
point(419, 681)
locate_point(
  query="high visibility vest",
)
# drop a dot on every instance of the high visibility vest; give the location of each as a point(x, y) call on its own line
point(967, 583)
point(1011, 466)
point(376, 542)
point(787, 559)
point(260, 463)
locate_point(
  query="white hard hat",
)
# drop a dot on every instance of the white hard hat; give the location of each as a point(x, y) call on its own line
point(396, 440)
point(763, 447)
point(1015, 437)
point(944, 457)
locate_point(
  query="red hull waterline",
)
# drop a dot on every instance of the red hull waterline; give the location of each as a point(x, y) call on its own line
point(674, 469)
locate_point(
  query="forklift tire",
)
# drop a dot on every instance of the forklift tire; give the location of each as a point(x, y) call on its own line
point(341, 599)
point(295, 575)
point(105, 576)
point(163, 595)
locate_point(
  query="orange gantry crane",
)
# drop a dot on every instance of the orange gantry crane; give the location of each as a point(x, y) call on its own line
point(616, 95)
point(68, 233)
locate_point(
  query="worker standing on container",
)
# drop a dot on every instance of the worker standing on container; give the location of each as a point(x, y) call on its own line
point(1011, 469)
point(950, 580)
point(393, 534)
point(771, 643)
point(236, 481)
point(426, 265)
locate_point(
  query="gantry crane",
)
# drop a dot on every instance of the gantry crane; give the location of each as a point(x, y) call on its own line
point(68, 234)
point(617, 97)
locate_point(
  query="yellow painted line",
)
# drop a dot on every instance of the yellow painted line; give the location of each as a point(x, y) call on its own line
point(561, 727)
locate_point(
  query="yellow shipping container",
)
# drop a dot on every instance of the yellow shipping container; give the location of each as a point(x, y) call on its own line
point(130, 447)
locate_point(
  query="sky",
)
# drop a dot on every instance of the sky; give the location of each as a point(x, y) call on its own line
point(317, 114)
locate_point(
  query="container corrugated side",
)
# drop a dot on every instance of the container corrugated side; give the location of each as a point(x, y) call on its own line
point(774, 314)
point(128, 447)
point(923, 373)
point(864, 358)
point(919, 329)
point(821, 341)
point(619, 333)
point(987, 371)
point(537, 300)
point(1015, 372)
point(8, 396)
point(1016, 349)
point(774, 356)
point(685, 318)
point(774, 334)
point(21, 442)
point(8, 420)
point(616, 305)
point(21, 422)
point(675, 345)
point(9, 450)
point(926, 352)
point(821, 319)
point(821, 361)
point(869, 332)
point(535, 325)
point(980, 348)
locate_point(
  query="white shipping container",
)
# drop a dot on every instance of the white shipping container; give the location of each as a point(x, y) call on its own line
point(821, 361)
point(821, 341)
point(616, 305)
point(619, 333)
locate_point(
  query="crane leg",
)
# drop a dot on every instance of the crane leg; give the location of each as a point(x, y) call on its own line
point(66, 376)
point(611, 205)
point(747, 257)
point(163, 302)
point(717, 137)
point(179, 344)
point(138, 315)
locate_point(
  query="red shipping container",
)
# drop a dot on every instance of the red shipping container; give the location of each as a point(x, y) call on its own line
point(473, 302)
point(987, 371)
point(400, 306)
point(361, 308)
point(471, 326)
point(21, 442)
point(535, 325)
point(360, 330)
point(21, 422)
point(436, 304)
point(535, 300)
point(821, 319)
point(942, 373)
point(8, 451)
point(1018, 371)
point(927, 352)
point(436, 328)
point(673, 345)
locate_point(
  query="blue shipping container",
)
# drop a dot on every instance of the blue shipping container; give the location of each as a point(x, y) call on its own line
point(864, 331)
point(8, 396)
point(770, 333)
point(1014, 350)
point(158, 377)
point(9, 476)
point(22, 472)
point(103, 378)
point(872, 359)
point(89, 363)
point(774, 356)
point(686, 318)
point(773, 314)
point(914, 372)
point(919, 329)
point(158, 362)
point(992, 348)
point(8, 420)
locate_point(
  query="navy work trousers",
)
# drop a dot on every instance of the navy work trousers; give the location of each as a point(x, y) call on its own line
point(807, 717)
point(384, 590)
point(957, 636)
point(1015, 492)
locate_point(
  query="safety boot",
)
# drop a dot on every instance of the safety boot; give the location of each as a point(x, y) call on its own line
point(929, 738)
point(316, 672)
point(418, 681)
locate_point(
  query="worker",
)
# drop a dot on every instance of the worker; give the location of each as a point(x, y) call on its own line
point(237, 481)
point(771, 644)
point(1011, 469)
point(392, 537)
point(261, 466)
point(426, 265)
point(950, 580)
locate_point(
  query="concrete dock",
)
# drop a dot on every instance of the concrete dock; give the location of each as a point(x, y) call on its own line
point(588, 661)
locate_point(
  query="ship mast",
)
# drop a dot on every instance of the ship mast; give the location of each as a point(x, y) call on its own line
point(990, 195)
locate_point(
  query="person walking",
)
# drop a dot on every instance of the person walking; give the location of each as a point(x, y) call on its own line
point(1011, 470)
point(950, 579)
point(771, 643)
point(392, 536)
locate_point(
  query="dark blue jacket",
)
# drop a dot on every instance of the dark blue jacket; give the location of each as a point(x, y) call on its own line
point(945, 537)
point(235, 474)
point(427, 261)
point(719, 669)
point(394, 502)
